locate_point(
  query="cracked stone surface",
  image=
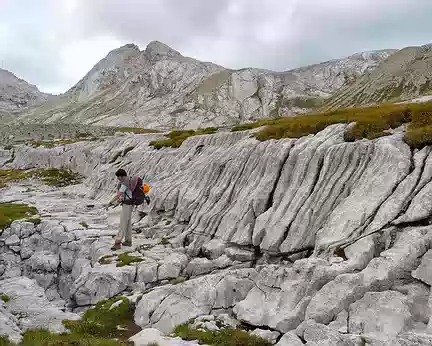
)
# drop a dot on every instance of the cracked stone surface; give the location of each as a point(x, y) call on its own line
point(292, 237)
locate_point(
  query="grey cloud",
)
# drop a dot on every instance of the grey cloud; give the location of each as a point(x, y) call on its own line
point(271, 34)
point(171, 21)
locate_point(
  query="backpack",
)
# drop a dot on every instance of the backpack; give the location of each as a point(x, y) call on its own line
point(138, 192)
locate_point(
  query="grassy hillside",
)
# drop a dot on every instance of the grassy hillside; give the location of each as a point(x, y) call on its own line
point(371, 122)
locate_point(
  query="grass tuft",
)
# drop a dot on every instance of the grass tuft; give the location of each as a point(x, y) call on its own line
point(225, 337)
point(103, 323)
point(106, 259)
point(176, 138)
point(11, 212)
point(177, 281)
point(51, 177)
point(58, 177)
point(136, 130)
point(84, 224)
point(11, 176)
point(5, 298)
point(98, 327)
point(125, 259)
point(164, 241)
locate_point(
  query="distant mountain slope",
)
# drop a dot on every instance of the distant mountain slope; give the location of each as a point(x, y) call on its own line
point(16, 93)
point(160, 88)
point(405, 75)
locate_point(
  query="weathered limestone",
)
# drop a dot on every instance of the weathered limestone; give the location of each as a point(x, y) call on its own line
point(316, 222)
point(31, 308)
point(380, 315)
point(380, 274)
point(168, 306)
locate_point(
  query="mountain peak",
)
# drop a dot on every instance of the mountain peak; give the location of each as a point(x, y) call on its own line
point(16, 93)
point(126, 49)
point(159, 48)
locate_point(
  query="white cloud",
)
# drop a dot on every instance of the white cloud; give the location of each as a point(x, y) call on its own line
point(77, 58)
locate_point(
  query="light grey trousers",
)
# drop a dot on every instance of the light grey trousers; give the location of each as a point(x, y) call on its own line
point(125, 230)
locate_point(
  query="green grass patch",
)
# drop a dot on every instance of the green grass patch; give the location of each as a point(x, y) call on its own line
point(125, 259)
point(45, 338)
point(84, 224)
point(68, 141)
point(102, 322)
point(176, 138)
point(51, 177)
point(11, 176)
point(11, 212)
point(81, 137)
point(371, 123)
point(164, 241)
point(419, 137)
point(5, 298)
point(177, 281)
point(136, 130)
point(34, 220)
point(45, 144)
point(225, 337)
point(58, 177)
point(106, 260)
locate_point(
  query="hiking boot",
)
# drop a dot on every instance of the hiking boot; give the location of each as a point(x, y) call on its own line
point(127, 243)
point(117, 246)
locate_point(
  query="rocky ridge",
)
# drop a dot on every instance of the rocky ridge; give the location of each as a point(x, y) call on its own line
point(405, 75)
point(161, 89)
point(314, 240)
point(16, 94)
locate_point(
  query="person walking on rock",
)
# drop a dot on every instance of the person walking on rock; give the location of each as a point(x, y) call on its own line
point(130, 193)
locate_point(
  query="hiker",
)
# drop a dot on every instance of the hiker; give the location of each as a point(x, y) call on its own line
point(130, 193)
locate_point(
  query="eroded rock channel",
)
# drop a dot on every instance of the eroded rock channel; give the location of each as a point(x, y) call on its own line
point(311, 241)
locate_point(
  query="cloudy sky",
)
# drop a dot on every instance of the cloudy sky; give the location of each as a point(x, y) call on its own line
point(53, 43)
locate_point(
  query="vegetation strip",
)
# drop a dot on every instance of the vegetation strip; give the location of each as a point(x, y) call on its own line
point(224, 337)
point(51, 177)
point(371, 123)
point(176, 138)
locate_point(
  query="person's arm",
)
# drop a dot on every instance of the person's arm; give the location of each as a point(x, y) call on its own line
point(115, 199)
point(118, 197)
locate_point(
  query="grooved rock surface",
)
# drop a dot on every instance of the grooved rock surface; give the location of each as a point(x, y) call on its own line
point(309, 238)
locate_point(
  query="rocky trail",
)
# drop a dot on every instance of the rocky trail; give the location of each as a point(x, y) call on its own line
point(311, 241)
